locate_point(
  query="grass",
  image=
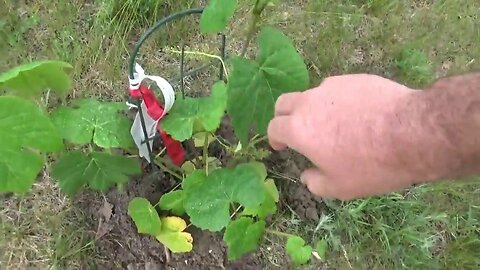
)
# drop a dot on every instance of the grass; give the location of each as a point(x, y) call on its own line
point(433, 226)
point(401, 230)
point(414, 42)
point(43, 230)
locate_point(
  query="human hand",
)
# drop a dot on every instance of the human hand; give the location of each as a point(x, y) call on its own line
point(344, 127)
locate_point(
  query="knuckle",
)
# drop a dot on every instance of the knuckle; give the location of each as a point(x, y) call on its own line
point(333, 80)
point(342, 79)
point(288, 99)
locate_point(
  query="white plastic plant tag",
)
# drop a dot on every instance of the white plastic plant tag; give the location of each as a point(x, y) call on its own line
point(150, 123)
point(162, 84)
point(137, 132)
point(167, 92)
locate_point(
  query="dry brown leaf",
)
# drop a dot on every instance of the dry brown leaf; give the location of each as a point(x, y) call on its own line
point(102, 229)
point(106, 211)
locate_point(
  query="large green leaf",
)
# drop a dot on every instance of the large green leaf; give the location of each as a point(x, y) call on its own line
point(208, 198)
point(216, 15)
point(33, 78)
point(193, 180)
point(173, 201)
point(254, 86)
point(266, 208)
point(269, 204)
point(191, 115)
point(242, 236)
point(24, 132)
point(145, 216)
point(99, 170)
point(89, 119)
point(297, 250)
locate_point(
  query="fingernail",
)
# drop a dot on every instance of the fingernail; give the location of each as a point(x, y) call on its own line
point(302, 179)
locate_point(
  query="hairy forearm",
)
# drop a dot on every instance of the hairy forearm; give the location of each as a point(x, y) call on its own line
point(437, 133)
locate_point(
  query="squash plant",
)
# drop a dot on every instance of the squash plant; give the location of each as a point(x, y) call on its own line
point(89, 127)
point(101, 127)
point(234, 199)
point(26, 132)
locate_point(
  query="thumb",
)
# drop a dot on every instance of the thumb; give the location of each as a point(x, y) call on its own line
point(317, 183)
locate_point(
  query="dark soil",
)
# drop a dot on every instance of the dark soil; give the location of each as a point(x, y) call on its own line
point(120, 246)
point(295, 194)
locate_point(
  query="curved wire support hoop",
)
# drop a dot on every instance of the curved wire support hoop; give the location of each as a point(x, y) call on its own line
point(151, 30)
point(183, 74)
point(162, 23)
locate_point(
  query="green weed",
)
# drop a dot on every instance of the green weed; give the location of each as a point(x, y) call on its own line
point(390, 232)
point(427, 227)
point(13, 28)
point(414, 67)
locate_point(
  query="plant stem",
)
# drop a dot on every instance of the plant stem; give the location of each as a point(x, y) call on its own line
point(167, 254)
point(252, 28)
point(257, 140)
point(220, 141)
point(175, 187)
point(90, 147)
point(282, 234)
point(47, 97)
point(161, 152)
point(165, 168)
point(235, 211)
point(205, 152)
point(203, 54)
point(283, 176)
